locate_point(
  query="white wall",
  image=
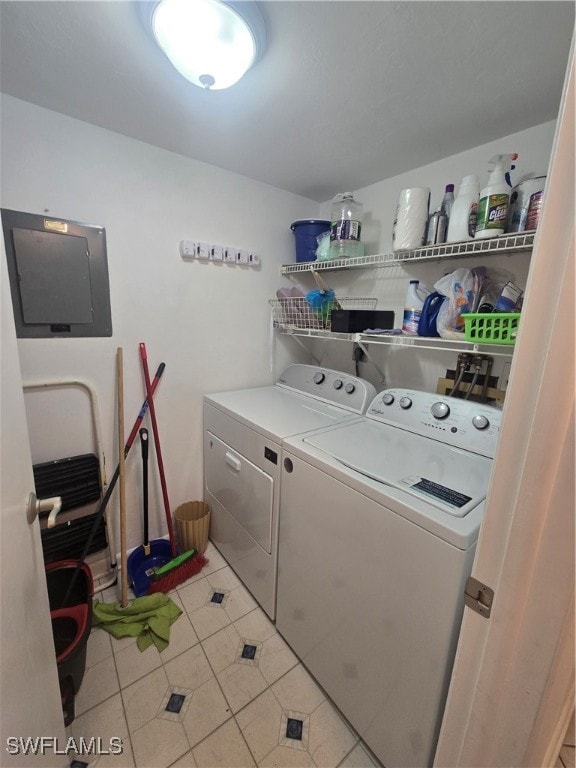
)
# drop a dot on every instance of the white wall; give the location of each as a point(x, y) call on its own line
point(401, 366)
point(209, 323)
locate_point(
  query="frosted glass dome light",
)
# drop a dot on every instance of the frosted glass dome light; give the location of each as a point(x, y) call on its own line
point(210, 42)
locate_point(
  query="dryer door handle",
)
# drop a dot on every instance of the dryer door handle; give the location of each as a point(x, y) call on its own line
point(233, 461)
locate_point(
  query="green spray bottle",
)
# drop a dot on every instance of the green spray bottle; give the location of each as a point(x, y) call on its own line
point(495, 198)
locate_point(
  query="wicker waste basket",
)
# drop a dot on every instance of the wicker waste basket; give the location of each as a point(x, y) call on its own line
point(192, 525)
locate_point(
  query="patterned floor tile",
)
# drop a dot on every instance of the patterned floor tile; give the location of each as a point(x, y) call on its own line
point(276, 658)
point(227, 691)
point(207, 711)
point(260, 724)
point(132, 663)
point(220, 648)
point(358, 758)
point(143, 698)
point(215, 561)
point(209, 619)
point(255, 624)
point(99, 683)
point(106, 721)
point(294, 730)
point(175, 704)
point(286, 757)
point(182, 638)
point(195, 595)
point(186, 761)
point(225, 748)
point(330, 739)
point(298, 691)
point(98, 648)
point(125, 760)
point(241, 684)
point(159, 743)
point(224, 579)
point(239, 603)
point(190, 669)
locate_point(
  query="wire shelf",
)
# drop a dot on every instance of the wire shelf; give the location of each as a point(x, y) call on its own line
point(296, 312)
point(512, 243)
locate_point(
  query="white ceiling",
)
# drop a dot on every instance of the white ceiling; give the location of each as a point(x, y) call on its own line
point(347, 93)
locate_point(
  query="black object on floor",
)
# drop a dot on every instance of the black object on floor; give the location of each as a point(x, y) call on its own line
point(70, 627)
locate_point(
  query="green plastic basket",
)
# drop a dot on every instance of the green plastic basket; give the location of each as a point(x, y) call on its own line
point(495, 328)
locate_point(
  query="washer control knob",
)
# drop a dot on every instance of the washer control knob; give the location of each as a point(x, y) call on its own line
point(405, 403)
point(319, 377)
point(388, 398)
point(440, 410)
point(338, 384)
point(480, 422)
point(350, 388)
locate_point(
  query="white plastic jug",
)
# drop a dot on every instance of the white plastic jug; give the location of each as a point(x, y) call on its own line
point(462, 222)
point(415, 296)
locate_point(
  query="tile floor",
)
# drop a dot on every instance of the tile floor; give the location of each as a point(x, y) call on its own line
point(226, 692)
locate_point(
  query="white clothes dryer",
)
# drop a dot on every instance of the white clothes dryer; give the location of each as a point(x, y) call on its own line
point(243, 435)
point(378, 527)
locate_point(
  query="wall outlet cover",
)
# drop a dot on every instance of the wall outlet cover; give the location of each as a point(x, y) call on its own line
point(187, 249)
point(242, 257)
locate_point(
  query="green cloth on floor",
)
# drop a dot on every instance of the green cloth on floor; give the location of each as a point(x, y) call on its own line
point(147, 618)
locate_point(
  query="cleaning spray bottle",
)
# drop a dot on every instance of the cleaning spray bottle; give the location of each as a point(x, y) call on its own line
point(495, 197)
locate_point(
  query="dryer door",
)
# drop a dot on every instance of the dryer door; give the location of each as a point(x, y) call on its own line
point(243, 489)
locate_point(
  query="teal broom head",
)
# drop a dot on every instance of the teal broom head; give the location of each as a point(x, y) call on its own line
point(322, 303)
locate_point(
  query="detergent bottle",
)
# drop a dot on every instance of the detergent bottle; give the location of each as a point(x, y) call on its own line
point(495, 198)
point(462, 222)
point(415, 296)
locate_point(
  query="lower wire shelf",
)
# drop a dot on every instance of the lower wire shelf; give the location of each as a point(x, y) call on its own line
point(405, 342)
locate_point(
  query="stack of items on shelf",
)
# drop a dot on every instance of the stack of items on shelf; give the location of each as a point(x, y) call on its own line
point(495, 210)
point(339, 238)
point(477, 305)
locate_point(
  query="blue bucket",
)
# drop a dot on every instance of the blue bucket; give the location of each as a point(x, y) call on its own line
point(140, 565)
point(305, 233)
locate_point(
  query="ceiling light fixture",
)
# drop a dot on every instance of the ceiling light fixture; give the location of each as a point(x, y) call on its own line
point(210, 42)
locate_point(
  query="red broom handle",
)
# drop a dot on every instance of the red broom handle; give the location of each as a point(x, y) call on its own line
point(106, 498)
point(144, 358)
point(139, 420)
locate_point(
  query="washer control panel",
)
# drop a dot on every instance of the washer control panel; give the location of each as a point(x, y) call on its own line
point(333, 387)
point(462, 423)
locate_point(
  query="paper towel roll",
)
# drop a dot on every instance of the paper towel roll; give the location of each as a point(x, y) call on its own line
point(411, 219)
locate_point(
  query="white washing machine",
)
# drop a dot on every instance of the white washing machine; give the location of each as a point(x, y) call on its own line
point(243, 435)
point(378, 527)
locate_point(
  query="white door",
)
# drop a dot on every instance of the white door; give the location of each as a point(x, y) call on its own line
point(29, 690)
point(512, 690)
